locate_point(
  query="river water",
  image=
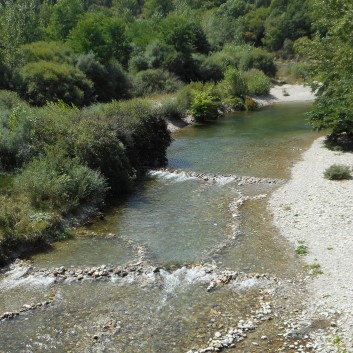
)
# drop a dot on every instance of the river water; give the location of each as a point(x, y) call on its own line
point(175, 221)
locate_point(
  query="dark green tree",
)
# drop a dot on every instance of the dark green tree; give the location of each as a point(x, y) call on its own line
point(65, 14)
point(102, 35)
point(157, 8)
point(331, 56)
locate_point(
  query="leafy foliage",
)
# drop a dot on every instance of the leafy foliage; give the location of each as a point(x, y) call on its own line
point(45, 81)
point(331, 55)
point(58, 182)
point(204, 106)
point(102, 35)
point(258, 84)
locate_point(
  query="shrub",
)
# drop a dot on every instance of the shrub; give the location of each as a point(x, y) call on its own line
point(16, 144)
point(110, 81)
point(8, 100)
point(143, 132)
point(257, 82)
point(211, 69)
point(250, 104)
point(233, 104)
point(20, 222)
point(184, 98)
point(337, 172)
point(257, 58)
point(45, 81)
point(299, 70)
point(59, 182)
point(204, 106)
point(170, 109)
point(153, 81)
point(233, 85)
point(96, 144)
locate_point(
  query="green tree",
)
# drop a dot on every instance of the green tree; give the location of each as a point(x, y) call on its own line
point(331, 55)
point(19, 24)
point(102, 35)
point(110, 81)
point(65, 14)
point(157, 8)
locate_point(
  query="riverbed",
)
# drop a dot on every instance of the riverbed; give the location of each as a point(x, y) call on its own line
point(188, 260)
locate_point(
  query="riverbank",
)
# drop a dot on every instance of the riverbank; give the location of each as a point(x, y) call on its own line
point(315, 212)
point(278, 94)
point(286, 94)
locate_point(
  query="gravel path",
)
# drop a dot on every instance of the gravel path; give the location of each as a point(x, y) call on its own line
point(319, 212)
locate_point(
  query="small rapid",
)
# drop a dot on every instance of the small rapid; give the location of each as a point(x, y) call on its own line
point(190, 262)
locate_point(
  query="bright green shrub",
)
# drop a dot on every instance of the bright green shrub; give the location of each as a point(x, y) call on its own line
point(257, 82)
point(204, 106)
point(20, 222)
point(138, 62)
point(59, 182)
point(233, 85)
point(337, 172)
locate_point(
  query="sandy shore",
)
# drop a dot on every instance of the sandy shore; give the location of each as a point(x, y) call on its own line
point(287, 93)
point(319, 212)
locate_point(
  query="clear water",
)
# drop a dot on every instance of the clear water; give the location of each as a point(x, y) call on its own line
point(176, 221)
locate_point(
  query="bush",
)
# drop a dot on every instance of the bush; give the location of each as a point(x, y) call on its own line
point(184, 98)
point(204, 106)
point(8, 100)
point(143, 132)
point(337, 172)
point(21, 223)
point(250, 104)
point(211, 69)
point(58, 182)
point(170, 109)
point(257, 58)
point(16, 139)
point(45, 81)
point(96, 144)
point(233, 104)
point(299, 70)
point(233, 85)
point(110, 81)
point(258, 84)
point(154, 80)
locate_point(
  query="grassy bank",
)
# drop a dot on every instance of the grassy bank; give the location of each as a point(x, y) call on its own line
point(58, 160)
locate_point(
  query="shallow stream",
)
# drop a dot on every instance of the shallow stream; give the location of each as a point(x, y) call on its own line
point(175, 221)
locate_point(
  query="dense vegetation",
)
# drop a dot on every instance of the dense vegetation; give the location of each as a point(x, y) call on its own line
point(87, 86)
point(330, 52)
point(85, 51)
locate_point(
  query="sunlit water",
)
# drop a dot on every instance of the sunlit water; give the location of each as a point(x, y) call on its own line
point(176, 221)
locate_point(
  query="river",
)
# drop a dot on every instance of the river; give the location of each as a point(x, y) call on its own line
point(177, 235)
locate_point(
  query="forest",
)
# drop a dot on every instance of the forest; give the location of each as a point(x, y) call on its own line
point(87, 87)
